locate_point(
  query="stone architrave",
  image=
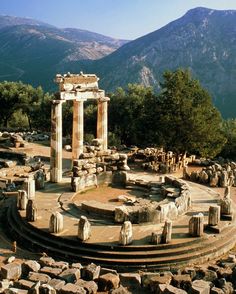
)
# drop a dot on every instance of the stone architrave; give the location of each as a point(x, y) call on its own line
point(22, 199)
point(196, 225)
point(84, 229)
point(167, 232)
point(31, 211)
point(78, 128)
point(56, 142)
point(29, 187)
point(102, 121)
point(126, 233)
point(56, 222)
point(214, 215)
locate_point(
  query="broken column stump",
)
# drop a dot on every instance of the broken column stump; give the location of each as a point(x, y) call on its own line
point(84, 229)
point(167, 232)
point(126, 233)
point(56, 222)
point(196, 225)
point(22, 199)
point(31, 211)
point(214, 215)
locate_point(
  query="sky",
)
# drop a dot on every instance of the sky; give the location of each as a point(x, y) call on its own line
point(124, 19)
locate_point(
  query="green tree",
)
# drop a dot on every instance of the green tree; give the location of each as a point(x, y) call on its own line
point(229, 129)
point(126, 113)
point(186, 116)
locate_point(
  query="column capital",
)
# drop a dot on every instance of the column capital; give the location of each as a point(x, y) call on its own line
point(103, 99)
point(57, 101)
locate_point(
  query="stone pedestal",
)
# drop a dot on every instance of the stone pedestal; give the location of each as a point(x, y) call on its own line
point(126, 233)
point(22, 199)
point(78, 129)
point(31, 211)
point(29, 187)
point(102, 121)
point(84, 229)
point(214, 215)
point(56, 222)
point(196, 225)
point(167, 232)
point(56, 142)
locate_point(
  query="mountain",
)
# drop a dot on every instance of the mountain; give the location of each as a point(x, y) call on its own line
point(203, 40)
point(34, 52)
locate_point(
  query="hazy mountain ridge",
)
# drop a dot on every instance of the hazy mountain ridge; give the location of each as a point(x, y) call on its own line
point(33, 51)
point(203, 40)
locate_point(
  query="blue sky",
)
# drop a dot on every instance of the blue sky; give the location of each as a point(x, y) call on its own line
point(126, 19)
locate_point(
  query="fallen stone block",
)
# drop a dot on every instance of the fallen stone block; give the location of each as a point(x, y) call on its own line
point(15, 291)
point(11, 271)
point(200, 287)
point(130, 280)
point(24, 284)
point(47, 289)
point(56, 284)
point(39, 277)
point(182, 281)
point(72, 289)
point(91, 272)
point(70, 275)
point(53, 272)
point(30, 266)
point(120, 290)
point(46, 261)
point(90, 286)
point(173, 290)
point(108, 281)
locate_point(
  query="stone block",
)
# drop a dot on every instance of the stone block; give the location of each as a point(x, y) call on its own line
point(56, 284)
point(173, 290)
point(47, 289)
point(72, 289)
point(182, 281)
point(120, 290)
point(121, 214)
point(11, 271)
point(216, 290)
point(70, 275)
point(53, 272)
point(15, 291)
point(56, 222)
point(24, 284)
point(119, 178)
point(90, 286)
point(200, 287)
point(196, 225)
point(39, 277)
point(60, 264)
point(130, 280)
point(159, 280)
point(30, 266)
point(90, 272)
point(46, 261)
point(77, 265)
point(108, 281)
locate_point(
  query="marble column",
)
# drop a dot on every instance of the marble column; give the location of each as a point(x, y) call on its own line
point(56, 142)
point(78, 129)
point(102, 121)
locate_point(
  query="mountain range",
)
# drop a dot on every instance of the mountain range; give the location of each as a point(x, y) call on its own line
point(203, 40)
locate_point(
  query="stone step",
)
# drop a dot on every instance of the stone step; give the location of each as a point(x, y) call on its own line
point(117, 256)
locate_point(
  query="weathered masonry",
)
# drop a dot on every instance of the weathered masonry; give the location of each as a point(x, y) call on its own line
point(79, 88)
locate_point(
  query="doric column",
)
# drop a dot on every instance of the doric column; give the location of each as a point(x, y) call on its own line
point(78, 129)
point(102, 121)
point(56, 142)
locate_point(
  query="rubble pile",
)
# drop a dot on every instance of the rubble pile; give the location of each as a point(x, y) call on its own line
point(157, 160)
point(214, 175)
point(94, 161)
point(49, 276)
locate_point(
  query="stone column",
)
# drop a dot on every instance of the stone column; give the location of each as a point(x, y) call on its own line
point(214, 215)
point(56, 142)
point(102, 121)
point(167, 232)
point(196, 225)
point(78, 129)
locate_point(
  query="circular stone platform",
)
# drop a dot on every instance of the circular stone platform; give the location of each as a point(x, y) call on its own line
point(103, 248)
